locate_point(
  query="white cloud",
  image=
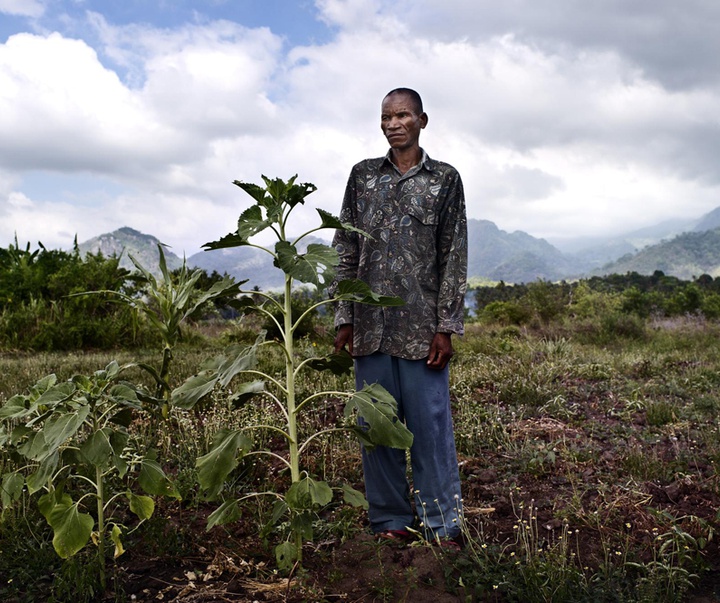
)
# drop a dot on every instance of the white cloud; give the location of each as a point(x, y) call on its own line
point(551, 135)
point(22, 8)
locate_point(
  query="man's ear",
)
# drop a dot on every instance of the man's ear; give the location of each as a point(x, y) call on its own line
point(423, 119)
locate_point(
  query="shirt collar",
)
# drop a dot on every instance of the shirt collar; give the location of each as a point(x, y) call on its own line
point(425, 162)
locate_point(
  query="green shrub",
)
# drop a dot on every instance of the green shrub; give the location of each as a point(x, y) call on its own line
point(506, 313)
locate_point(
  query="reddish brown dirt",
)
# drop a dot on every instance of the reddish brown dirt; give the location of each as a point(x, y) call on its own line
point(235, 566)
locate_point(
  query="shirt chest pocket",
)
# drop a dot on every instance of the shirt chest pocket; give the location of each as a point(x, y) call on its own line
point(423, 210)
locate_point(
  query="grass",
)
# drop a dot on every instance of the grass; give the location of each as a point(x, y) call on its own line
point(590, 467)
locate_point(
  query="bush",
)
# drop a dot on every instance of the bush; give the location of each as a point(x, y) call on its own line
point(506, 313)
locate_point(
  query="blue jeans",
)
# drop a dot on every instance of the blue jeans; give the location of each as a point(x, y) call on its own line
point(423, 399)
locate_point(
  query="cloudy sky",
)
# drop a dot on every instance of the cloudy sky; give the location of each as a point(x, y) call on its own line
point(565, 118)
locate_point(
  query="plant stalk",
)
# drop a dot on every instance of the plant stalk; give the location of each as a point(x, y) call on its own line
point(101, 524)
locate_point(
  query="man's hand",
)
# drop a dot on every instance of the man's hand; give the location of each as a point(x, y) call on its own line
point(343, 338)
point(441, 351)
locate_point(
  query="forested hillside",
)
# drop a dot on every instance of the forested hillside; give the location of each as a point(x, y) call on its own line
point(686, 256)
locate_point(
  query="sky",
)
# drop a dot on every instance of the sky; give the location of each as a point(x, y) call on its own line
point(565, 118)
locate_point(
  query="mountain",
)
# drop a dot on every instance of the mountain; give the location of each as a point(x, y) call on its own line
point(493, 254)
point(242, 263)
point(678, 248)
point(513, 257)
point(687, 256)
point(126, 241)
point(590, 254)
point(709, 221)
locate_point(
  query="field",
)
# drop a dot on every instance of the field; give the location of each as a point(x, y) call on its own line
point(589, 467)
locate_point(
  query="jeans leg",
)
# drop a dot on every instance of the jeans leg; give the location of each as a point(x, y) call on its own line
point(435, 475)
point(385, 469)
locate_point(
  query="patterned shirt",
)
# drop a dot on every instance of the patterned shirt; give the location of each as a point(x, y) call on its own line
point(418, 253)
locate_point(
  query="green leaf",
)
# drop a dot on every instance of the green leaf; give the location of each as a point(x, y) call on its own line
point(286, 554)
point(47, 502)
point(194, 389)
point(71, 528)
point(152, 480)
point(154, 373)
point(279, 509)
point(37, 480)
point(124, 394)
point(217, 464)
point(302, 524)
point(239, 358)
point(256, 192)
point(84, 383)
point(55, 394)
point(378, 410)
point(123, 417)
point(15, 408)
point(288, 192)
point(34, 447)
point(60, 427)
point(227, 512)
point(146, 274)
point(113, 369)
point(360, 292)
point(142, 506)
point(229, 240)
point(97, 449)
point(337, 364)
point(118, 441)
point(225, 287)
point(18, 434)
point(307, 493)
point(316, 266)
point(354, 497)
point(45, 383)
point(330, 221)
point(245, 392)
point(11, 488)
point(250, 223)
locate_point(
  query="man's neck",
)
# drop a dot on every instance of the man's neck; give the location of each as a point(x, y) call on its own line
point(406, 159)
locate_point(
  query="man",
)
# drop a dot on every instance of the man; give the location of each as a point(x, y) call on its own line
point(414, 209)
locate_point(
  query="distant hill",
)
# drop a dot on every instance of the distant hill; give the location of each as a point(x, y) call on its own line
point(678, 248)
point(709, 221)
point(126, 241)
point(493, 253)
point(512, 257)
point(686, 256)
point(242, 263)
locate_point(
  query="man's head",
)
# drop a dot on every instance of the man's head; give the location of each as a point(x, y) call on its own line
point(402, 117)
point(414, 97)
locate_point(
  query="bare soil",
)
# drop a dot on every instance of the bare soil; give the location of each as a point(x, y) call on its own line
point(235, 565)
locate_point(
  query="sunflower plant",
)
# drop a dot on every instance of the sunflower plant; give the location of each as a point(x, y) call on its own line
point(312, 265)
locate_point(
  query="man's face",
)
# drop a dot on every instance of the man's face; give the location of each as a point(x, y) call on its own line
point(400, 122)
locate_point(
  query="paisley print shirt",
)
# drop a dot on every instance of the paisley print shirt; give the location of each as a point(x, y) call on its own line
point(418, 252)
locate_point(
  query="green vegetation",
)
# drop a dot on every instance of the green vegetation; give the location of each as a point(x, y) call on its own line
point(587, 422)
point(686, 256)
point(273, 206)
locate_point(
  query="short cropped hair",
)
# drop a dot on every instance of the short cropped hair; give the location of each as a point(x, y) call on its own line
point(414, 97)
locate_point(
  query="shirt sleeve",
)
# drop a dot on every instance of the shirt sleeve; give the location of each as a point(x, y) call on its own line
point(347, 245)
point(452, 259)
